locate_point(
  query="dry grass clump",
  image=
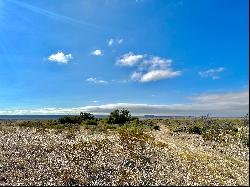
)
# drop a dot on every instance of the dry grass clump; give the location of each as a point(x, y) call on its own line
point(132, 154)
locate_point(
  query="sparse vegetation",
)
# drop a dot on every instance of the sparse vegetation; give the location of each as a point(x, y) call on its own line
point(124, 151)
point(76, 119)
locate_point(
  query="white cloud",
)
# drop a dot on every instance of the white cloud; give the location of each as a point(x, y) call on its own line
point(96, 81)
point(221, 104)
point(95, 101)
point(129, 59)
point(148, 68)
point(110, 42)
point(213, 73)
point(97, 52)
point(60, 58)
point(155, 75)
point(156, 63)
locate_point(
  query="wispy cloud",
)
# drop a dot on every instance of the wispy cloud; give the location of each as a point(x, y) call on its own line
point(213, 73)
point(120, 81)
point(60, 58)
point(97, 52)
point(54, 15)
point(96, 81)
point(120, 41)
point(112, 41)
point(221, 104)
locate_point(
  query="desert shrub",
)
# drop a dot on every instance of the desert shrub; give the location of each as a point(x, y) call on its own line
point(69, 119)
point(245, 140)
point(148, 122)
point(211, 134)
point(156, 127)
point(130, 135)
point(246, 119)
point(37, 124)
point(110, 126)
point(195, 129)
point(103, 121)
point(90, 122)
point(119, 116)
point(86, 116)
point(76, 119)
point(49, 124)
point(135, 119)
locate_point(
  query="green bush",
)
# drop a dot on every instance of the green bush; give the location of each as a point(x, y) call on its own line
point(119, 117)
point(195, 129)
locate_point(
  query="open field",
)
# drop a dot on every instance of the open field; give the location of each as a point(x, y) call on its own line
point(148, 152)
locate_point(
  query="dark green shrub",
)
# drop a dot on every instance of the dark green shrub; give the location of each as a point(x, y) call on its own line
point(76, 119)
point(156, 127)
point(195, 129)
point(69, 119)
point(119, 117)
point(86, 116)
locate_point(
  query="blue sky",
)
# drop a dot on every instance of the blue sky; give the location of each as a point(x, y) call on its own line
point(168, 57)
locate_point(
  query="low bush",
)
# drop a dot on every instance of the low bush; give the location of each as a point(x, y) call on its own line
point(195, 129)
point(76, 119)
point(90, 122)
point(70, 120)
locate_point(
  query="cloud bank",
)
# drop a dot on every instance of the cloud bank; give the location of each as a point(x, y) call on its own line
point(222, 104)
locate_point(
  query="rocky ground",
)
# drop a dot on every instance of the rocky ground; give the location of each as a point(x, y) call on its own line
point(33, 156)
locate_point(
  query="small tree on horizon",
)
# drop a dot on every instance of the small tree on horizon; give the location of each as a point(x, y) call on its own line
point(119, 116)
